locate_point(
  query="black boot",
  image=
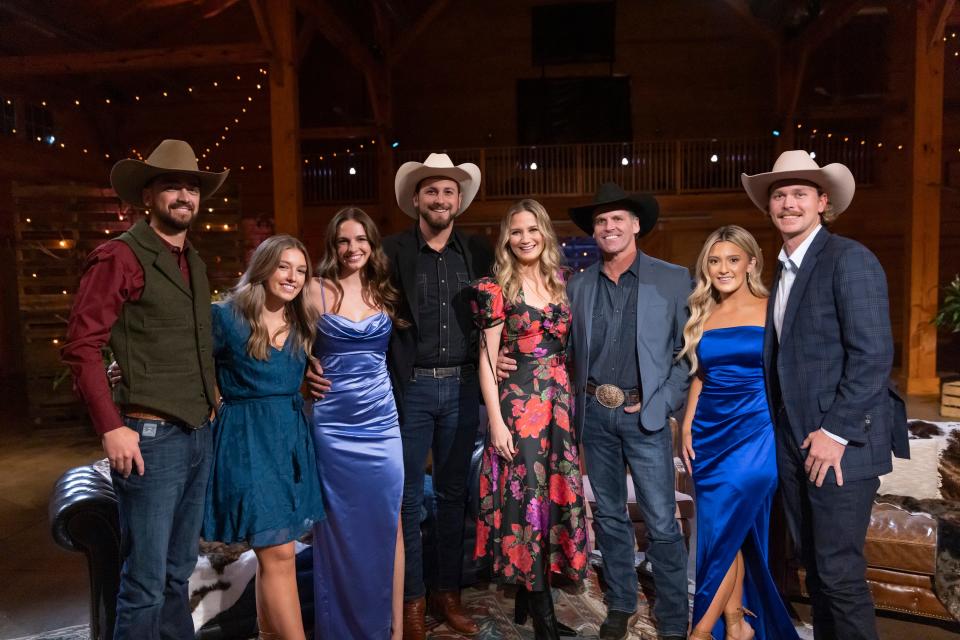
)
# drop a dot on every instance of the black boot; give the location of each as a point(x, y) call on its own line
point(544, 618)
point(521, 608)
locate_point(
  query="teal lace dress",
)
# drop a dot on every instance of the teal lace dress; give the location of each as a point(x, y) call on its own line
point(264, 487)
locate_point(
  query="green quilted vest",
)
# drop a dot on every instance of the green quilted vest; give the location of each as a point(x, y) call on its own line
point(162, 341)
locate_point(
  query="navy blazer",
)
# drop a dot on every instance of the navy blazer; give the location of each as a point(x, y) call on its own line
point(662, 312)
point(832, 363)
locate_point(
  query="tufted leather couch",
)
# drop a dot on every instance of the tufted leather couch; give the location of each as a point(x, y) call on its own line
point(901, 551)
point(83, 517)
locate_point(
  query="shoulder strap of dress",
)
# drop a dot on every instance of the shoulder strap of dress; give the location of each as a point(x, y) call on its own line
point(323, 297)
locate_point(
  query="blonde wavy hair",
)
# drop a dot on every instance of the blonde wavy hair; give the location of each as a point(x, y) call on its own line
point(249, 297)
point(705, 297)
point(506, 266)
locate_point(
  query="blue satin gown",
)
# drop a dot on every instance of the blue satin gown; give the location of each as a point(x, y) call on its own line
point(735, 476)
point(357, 435)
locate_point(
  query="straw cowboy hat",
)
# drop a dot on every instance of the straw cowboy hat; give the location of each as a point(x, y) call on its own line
point(437, 165)
point(128, 177)
point(611, 196)
point(834, 179)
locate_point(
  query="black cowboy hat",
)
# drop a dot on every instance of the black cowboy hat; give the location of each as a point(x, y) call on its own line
point(610, 196)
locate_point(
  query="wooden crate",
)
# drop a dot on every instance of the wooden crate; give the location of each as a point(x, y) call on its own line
point(950, 399)
point(56, 227)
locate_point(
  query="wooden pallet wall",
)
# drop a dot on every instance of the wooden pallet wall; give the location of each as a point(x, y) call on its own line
point(56, 227)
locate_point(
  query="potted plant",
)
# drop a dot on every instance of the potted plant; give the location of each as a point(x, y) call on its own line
point(949, 317)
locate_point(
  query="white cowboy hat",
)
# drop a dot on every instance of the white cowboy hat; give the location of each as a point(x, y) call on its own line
point(437, 165)
point(128, 177)
point(834, 179)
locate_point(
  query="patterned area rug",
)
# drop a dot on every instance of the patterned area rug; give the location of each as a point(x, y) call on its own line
point(581, 608)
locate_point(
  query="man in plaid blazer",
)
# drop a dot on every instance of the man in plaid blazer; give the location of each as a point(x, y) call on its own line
point(827, 356)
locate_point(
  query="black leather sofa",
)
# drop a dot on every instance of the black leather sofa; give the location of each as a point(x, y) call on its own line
point(83, 518)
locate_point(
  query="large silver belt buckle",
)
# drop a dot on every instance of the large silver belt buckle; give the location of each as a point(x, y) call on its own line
point(610, 395)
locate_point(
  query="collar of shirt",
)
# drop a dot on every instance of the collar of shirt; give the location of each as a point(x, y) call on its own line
point(452, 243)
point(633, 269)
point(793, 260)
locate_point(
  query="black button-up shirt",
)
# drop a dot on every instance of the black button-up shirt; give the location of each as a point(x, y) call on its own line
point(613, 336)
point(445, 320)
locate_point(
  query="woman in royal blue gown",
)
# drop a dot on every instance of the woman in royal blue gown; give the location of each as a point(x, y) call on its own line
point(357, 549)
point(728, 444)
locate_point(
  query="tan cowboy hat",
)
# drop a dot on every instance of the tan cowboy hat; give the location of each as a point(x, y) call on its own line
point(834, 179)
point(437, 165)
point(128, 177)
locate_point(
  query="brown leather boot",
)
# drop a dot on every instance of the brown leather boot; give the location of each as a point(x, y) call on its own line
point(414, 624)
point(445, 606)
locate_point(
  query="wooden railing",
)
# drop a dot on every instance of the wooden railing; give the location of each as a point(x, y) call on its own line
point(661, 167)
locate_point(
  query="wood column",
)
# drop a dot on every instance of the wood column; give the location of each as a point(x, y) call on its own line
point(285, 120)
point(919, 360)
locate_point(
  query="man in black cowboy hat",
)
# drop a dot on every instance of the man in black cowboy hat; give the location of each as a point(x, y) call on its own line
point(629, 311)
point(146, 294)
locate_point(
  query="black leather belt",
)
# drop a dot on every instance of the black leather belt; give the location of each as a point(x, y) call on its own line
point(612, 396)
point(443, 372)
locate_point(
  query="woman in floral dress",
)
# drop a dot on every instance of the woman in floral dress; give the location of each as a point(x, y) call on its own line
point(531, 521)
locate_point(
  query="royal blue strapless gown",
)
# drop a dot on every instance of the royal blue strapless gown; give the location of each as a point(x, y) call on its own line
point(735, 476)
point(357, 435)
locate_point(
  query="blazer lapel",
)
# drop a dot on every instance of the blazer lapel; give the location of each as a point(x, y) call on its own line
point(467, 255)
point(770, 331)
point(801, 282)
point(407, 268)
point(584, 311)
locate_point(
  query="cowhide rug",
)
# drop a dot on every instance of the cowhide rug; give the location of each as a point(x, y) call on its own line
point(947, 512)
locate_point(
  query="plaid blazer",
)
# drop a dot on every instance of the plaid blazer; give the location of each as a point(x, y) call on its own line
point(831, 367)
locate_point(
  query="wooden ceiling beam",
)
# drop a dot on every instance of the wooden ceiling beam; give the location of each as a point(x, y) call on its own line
point(410, 36)
point(339, 34)
point(742, 9)
point(832, 19)
point(260, 17)
point(942, 11)
point(134, 60)
point(305, 38)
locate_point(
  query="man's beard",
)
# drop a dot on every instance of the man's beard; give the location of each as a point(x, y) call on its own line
point(434, 221)
point(173, 222)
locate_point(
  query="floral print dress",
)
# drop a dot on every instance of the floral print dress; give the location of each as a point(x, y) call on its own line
point(531, 521)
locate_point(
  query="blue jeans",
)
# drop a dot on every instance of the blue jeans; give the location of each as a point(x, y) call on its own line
point(610, 437)
point(160, 517)
point(441, 414)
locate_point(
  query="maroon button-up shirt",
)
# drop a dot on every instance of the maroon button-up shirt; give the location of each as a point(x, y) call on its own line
point(112, 276)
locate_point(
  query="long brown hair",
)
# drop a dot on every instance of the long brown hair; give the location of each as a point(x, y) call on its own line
point(249, 297)
point(704, 297)
point(505, 266)
point(378, 291)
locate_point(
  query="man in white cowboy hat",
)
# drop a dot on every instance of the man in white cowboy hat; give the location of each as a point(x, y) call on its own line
point(433, 364)
point(827, 357)
point(629, 311)
point(145, 293)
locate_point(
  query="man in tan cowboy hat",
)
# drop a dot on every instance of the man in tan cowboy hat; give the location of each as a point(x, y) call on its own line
point(827, 356)
point(145, 293)
point(433, 364)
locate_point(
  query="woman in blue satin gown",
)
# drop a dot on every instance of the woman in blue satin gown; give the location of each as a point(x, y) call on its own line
point(357, 549)
point(728, 444)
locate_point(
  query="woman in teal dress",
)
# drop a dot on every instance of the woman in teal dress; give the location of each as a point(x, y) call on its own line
point(264, 487)
point(728, 443)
